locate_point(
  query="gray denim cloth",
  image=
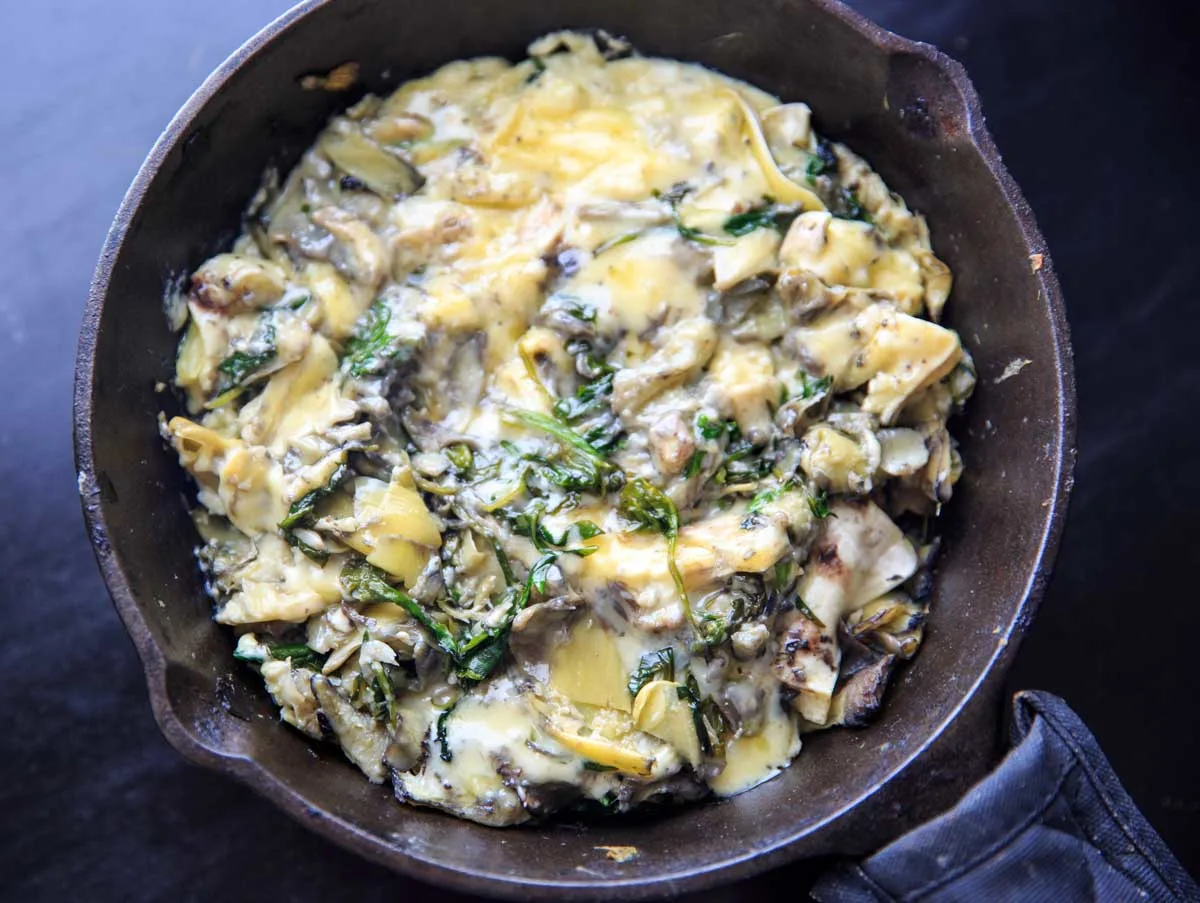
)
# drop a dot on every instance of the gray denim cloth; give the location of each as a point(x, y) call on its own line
point(1051, 823)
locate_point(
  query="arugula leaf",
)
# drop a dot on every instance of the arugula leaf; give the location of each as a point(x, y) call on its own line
point(802, 607)
point(478, 657)
point(766, 497)
point(461, 458)
point(372, 347)
point(823, 162)
point(445, 752)
point(689, 692)
point(384, 702)
point(818, 504)
point(303, 510)
point(559, 431)
point(715, 429)
point(617, 241)
point(363, 582)
point(783, 573)
point(744, 463)
point(304, 507)
point(302, 655)
point(767, 216)
point(590, 398)
point(540, 571)
point(647, 506)
point(587, 529)
point(694, 464)
point(241, 365)
point(848, 206)
point(502, 559)
point(711, 725)
point(657, 664)
point(672, 197)
point(813, 388)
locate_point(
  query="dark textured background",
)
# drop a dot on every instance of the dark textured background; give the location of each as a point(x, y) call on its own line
point(1093, 106)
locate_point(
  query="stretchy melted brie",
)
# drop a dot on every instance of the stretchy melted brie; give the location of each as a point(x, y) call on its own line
point(556, 428)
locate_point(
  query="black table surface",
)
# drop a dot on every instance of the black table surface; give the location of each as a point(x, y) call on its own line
point(1092, 105)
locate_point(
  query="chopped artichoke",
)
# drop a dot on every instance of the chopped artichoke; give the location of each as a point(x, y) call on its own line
point(659, 711)
point(233, 283)
point(587, 668)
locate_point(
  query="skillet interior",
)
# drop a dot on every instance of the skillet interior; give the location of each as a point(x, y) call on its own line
point(914, 118)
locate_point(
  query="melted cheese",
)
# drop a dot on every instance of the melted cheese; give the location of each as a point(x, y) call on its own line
point(496, 337)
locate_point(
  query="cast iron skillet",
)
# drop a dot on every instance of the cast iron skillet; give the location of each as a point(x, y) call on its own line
point(912, 112)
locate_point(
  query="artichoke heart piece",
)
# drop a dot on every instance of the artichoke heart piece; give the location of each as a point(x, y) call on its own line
point(395, 531)
point(904, 355)
point(232, 283)
point(744, 374)
point(660, 712)
point(707, 551)
point(342, 304)
point(587, 668)
point(299, 400)
point(835, 461)
point(603, 751)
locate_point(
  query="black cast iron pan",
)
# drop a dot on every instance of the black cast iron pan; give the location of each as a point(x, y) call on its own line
point(913, 114)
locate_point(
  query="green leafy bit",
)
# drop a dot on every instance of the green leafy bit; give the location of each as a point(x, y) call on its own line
point(241, 365)
point(711, 725)
point(672, 197)
point(650, 508)
point(589, 399)
point(783, 573)
point(372, 347)
point(811, 387)
point(659, 664)
point(559, 431)
point(539, 573)
point(823, 162)
point(616, 241)
point(502, 559)
point(528, 523)
point(444, 751)
point(303, 511)
point(802, 607)
point(818, 504)
point(479, 655)
point(744, 463)
point(384, 693)
point(766, 497)
point(694, 464)
point(766, 216)
point(301, 655)
point(589, 765)
point(363, 582)
point(591, 407)
point(715, 429)
point(461, 458)
point(848, 206)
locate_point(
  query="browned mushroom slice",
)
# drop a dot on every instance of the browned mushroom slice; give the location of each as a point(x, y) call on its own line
point(362, 738)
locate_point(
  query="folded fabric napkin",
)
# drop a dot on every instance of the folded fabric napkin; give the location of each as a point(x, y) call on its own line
point(1051, 823)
